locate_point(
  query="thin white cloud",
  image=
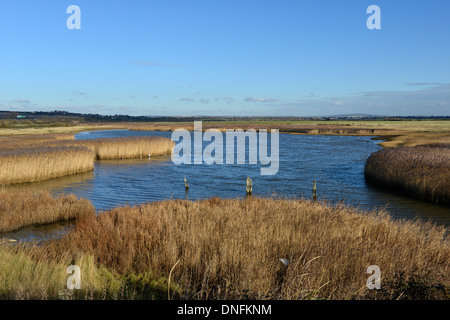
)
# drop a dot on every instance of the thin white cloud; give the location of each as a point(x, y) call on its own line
point(263, 100)
point(227, 100)
point(187, 100)
point(20, 101)
point(423, 83)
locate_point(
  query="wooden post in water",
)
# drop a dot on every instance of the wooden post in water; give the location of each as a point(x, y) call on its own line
point(186, 188)
point(314, 191)
point(249, 188)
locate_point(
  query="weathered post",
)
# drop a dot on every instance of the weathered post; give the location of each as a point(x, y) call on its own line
point(249, 188)
point(186, 188)
point(314, 191)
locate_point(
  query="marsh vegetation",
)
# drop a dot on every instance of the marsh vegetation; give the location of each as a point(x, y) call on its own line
point(422, 172)
point(20, 209)
point(41, 157)
point(231, 249)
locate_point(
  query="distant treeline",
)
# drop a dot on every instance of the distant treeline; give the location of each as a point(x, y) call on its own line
point(89, 117)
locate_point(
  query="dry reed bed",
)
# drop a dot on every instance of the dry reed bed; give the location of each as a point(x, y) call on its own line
point(422, 172)
point(20, 209)
point(128, 147)
point(123, 147)
point(230, 249)
point(42, 163)
point(45, 157)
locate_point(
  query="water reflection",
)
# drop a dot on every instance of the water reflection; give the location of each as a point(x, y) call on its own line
point(39, 233)
point(58, 185)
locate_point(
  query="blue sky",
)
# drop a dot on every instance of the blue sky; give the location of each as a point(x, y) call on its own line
point(226, 57)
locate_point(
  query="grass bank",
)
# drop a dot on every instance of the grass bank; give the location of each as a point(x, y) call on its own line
point(30, 140)
point(25, 278)
point(20, 209)
point(422, 172)
point(50, 130)
point(231, 249)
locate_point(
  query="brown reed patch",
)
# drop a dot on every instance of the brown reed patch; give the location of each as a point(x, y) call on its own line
point(422, 172)
point(41, 157)
point(123, 147)
point(128, 147)
point(41, 163)
point(20, 209)
point(231, 249)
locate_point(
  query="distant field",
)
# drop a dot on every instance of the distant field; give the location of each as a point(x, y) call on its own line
point(407, 125)
point(396, 133)
point(43, 130)
point(419, 125)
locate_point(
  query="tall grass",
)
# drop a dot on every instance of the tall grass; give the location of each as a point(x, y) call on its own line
point(37, 158)
point(25, 208)
point(123, 147)
point(42, 163)
point(230, 249)
point(422, 172)
point(23, 277)
point(129, 147)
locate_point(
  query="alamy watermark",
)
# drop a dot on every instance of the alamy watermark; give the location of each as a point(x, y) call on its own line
point(73, 22)
point(74, 281)
point(213, 152)
point(374, 21)
point(374, 281)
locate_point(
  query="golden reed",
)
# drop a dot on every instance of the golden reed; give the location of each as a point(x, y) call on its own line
point(129, 147)
point(231, 249)
point(20, 209)
point(42, 157)
point(42, 163)
point(422, 172)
